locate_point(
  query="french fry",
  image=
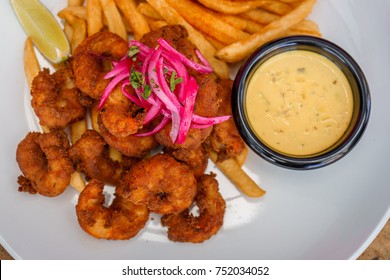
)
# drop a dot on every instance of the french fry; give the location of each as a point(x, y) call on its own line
point(233, 171)
point(94, 17)
point(94, 113)
point(113, 17)
point(79, 27)
point(217, 44)
point(148, 11)
point(79, 32)
point(238, 7)
point(75, 3)
point(307, 26)
point(77, 11)
point(210, 24)
point(276, 7)
point(241, 158)
point(31, 64)
point(204, 46)
point(260, 16)
point(136, 20)
point(77, 181)
point(77, 129)
point(156, 24)
point(241, 49)
point(68, 31)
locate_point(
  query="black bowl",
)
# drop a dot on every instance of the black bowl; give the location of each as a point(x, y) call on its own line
point(355, 76)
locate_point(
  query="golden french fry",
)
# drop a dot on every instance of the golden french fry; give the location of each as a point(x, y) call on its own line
point(68, 31)
point(137, 21)
point(260, 16)
point(210, 24)
point(237, 176)
point(253, 27)
point(156, 24)
point(204, 46)
point(114, 18)
point(238, 7)
point(77, 181)
point(77, 129)
point(241, 158)
point(148, 11)
point(276, 7)
point(77, 11)
point(94, 113)
point(308, 26)
point(241, 49)
point(79, 32)
point(94, 17)
point(217, 44)
point(114, 154)
point(75, 2)
point(31, 64)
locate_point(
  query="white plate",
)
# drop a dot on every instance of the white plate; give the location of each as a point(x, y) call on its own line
point(330, 213)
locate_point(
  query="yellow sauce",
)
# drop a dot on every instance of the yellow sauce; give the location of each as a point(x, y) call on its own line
point(299, 103)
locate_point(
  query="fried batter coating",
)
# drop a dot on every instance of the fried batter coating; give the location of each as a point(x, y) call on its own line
point(25, 185)
point(121, 220)
point(161, 183)
point(197, 159)
point(120, 116)
point(55, 99)
point(185, 227)
point(90, 155)
point(132, 145)
point(44, 161)
point(92, 61)
point(225, 139)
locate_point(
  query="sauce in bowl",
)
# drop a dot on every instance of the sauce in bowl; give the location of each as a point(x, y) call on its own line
point(299, 103)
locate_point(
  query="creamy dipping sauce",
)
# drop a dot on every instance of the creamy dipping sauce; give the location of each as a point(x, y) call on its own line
point(299, 103)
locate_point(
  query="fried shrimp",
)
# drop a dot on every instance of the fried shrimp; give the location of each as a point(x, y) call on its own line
point(120, 116)
point(185, 227)
point(44, 161)
point(55, 99)
point(90, 155)
point(131, 145)
point(225, 139)
point(197, 159)
point(161, 183)
point(92, 61)
point(121, 220)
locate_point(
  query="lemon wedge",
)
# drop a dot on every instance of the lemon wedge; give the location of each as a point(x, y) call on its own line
point(43, 28)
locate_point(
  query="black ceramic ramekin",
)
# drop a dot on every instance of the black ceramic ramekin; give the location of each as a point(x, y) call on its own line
point(355, 76)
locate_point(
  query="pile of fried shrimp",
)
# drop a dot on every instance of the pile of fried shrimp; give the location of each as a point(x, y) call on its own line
point(150, 174)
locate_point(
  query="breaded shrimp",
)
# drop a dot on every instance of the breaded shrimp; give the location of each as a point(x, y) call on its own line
point(121, 220)
point(55, 99)
point(44, 161)
point(225, 139)
point(131, 145)
point(185, 227)
point(197, 159)
point(91, 156)
point(92, 61)
point(161, 183)
point(120, 116)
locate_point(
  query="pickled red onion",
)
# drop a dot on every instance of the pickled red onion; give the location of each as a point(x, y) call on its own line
point(155, 67)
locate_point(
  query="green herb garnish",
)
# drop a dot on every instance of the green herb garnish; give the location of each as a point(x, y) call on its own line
point(174, 81)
